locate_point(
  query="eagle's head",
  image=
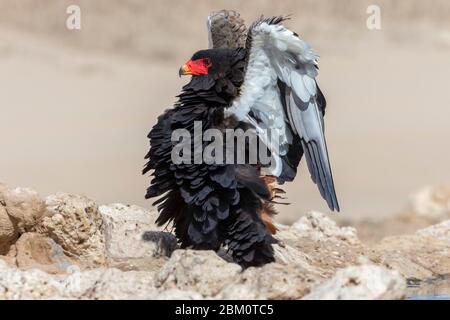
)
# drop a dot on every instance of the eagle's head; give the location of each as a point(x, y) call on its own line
point(216, 63)
point(221, 70)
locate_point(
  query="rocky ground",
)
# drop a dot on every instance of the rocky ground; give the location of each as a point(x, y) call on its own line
point(68, 247)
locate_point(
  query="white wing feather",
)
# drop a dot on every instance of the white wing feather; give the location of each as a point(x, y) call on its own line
point(276, 53)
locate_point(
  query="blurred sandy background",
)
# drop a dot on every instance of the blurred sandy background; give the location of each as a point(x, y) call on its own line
point(76, 106)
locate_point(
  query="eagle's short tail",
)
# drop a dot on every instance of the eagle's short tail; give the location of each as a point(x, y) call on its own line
point(249, 241)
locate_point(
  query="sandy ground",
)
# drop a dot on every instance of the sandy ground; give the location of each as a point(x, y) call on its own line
point(74, 113)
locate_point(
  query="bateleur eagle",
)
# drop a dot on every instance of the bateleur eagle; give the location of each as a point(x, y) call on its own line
point(261, 78)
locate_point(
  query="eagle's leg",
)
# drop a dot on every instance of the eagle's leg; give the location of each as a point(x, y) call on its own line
point(268, 210)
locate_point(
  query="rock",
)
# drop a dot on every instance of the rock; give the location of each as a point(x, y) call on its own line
point(288, 255)
point(74, 222)
point(428, 206)
point(439, 232)
point(239, 291)
point(366, 282)
point(318, 245)
point(432, 203)
point(199, 271)
point(9, 260)
point(24, 206)
point(407, 222)
point(108, 284)
point(421, 255)
point(93, 284)
point(33, 284)
point(35, 251)
point(68, 248)
point(272, 281)
point(318, 227)
point(131, 235)
point(8, 231)
point(175, 294)
point(309, 251)
point(187, 270)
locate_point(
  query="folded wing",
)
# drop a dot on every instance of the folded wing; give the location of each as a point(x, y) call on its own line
point(278, 54)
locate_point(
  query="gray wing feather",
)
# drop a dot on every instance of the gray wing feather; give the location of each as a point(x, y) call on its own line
point(295, 63)
point(226, 29)
point(306, 119)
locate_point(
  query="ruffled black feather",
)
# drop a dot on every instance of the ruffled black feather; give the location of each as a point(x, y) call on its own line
point(209, 205)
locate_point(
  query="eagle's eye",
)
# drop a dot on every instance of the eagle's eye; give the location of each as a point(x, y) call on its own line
point(196, 67)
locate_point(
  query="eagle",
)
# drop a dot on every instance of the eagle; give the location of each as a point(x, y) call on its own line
point(261, 77)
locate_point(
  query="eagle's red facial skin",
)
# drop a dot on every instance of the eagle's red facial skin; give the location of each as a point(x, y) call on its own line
point(196, 67)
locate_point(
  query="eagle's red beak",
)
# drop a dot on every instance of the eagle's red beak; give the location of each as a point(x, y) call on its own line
point(195, 67)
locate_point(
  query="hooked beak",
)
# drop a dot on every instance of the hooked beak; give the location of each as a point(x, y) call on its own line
point(184, 70)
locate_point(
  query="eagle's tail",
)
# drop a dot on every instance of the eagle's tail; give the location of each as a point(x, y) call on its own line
point(246, 234)
point(249, 241)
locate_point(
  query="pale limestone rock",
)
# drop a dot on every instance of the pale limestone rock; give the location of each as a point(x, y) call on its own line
point(421, 255)
point(33, 284)
point(24, 206)
point(288, 255)
point(200, 271)
point(108, 283)
point(365, 282)
point(9, 260)
point(318, 245)
point(272, 281)
point(73, 234)
point(8, 231)
point(206, 273)
point(131, 235)
point(239, 291)
point(432, 203)
point(35, 251)
point(428, 206)
point(175, 294)
point(319, 227)
point(93, 284)
point(440, 231)
point(74, 222)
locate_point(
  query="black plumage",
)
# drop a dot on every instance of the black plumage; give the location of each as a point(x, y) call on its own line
point(216, 204)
